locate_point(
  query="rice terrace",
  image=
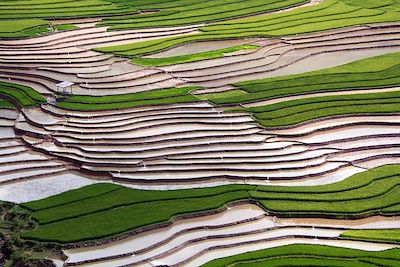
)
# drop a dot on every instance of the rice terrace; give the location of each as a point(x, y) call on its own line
point(200, 133)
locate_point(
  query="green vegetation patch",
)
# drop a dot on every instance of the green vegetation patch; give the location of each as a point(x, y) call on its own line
point(310, 255)
point(302, 110)
point(153, 97)
point(15, 25)
point(364, 194)
point(125, 210)
point(184, 12)
point(382, 4)
point(22, 28)
point(123, 197)
point(24, 95)
point(5, 104)
point(51, 9)
point(230, 93)
point(98, 211)
point(391, 235)
point(330, 14)
point(192, 57)
point(65, 27)
point(72, 196)
point(376, 72)
point(379, 71)
point(27, 18)
point(18, 28)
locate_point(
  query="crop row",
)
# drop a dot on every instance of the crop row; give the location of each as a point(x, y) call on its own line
point(311, 255)
point(302, 110)
point(20, 19)
point(376, 72)
point(55, 9)
point(182, 13)
point(80, 217)
point(380, 71)
point(154, 97)
point(388, 235)
point(26, 18)
point(331, 14)
point(5, 104)
point(23, 95)
point(191, 57)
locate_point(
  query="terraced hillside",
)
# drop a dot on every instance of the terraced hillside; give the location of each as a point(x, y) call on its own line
point(224, 133)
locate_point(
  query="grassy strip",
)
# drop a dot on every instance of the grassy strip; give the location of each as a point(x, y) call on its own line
point(309, 255)
point(354, 182)
point(75, 195)
point(331, 14)
point(172, 13)
point(11, 26)
point(146, 95)
point(364, 194)
point(24, 95)
point(153, 97)
point(126, 218)
point(192, 57)
point(22, 28)
point(383, 4)
point(380, 71)
point(65, 27)
point(230, 93)
point(184, 12)
point(154, 46)
point(121, 105)
point(125, 197)
point(304, 260)
point(337, 15)
point(5, 104)
point(30, 28)
point(26, 18)
point(77, 216)
point(302, 110)
point(26, 9)
point(391, 235)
